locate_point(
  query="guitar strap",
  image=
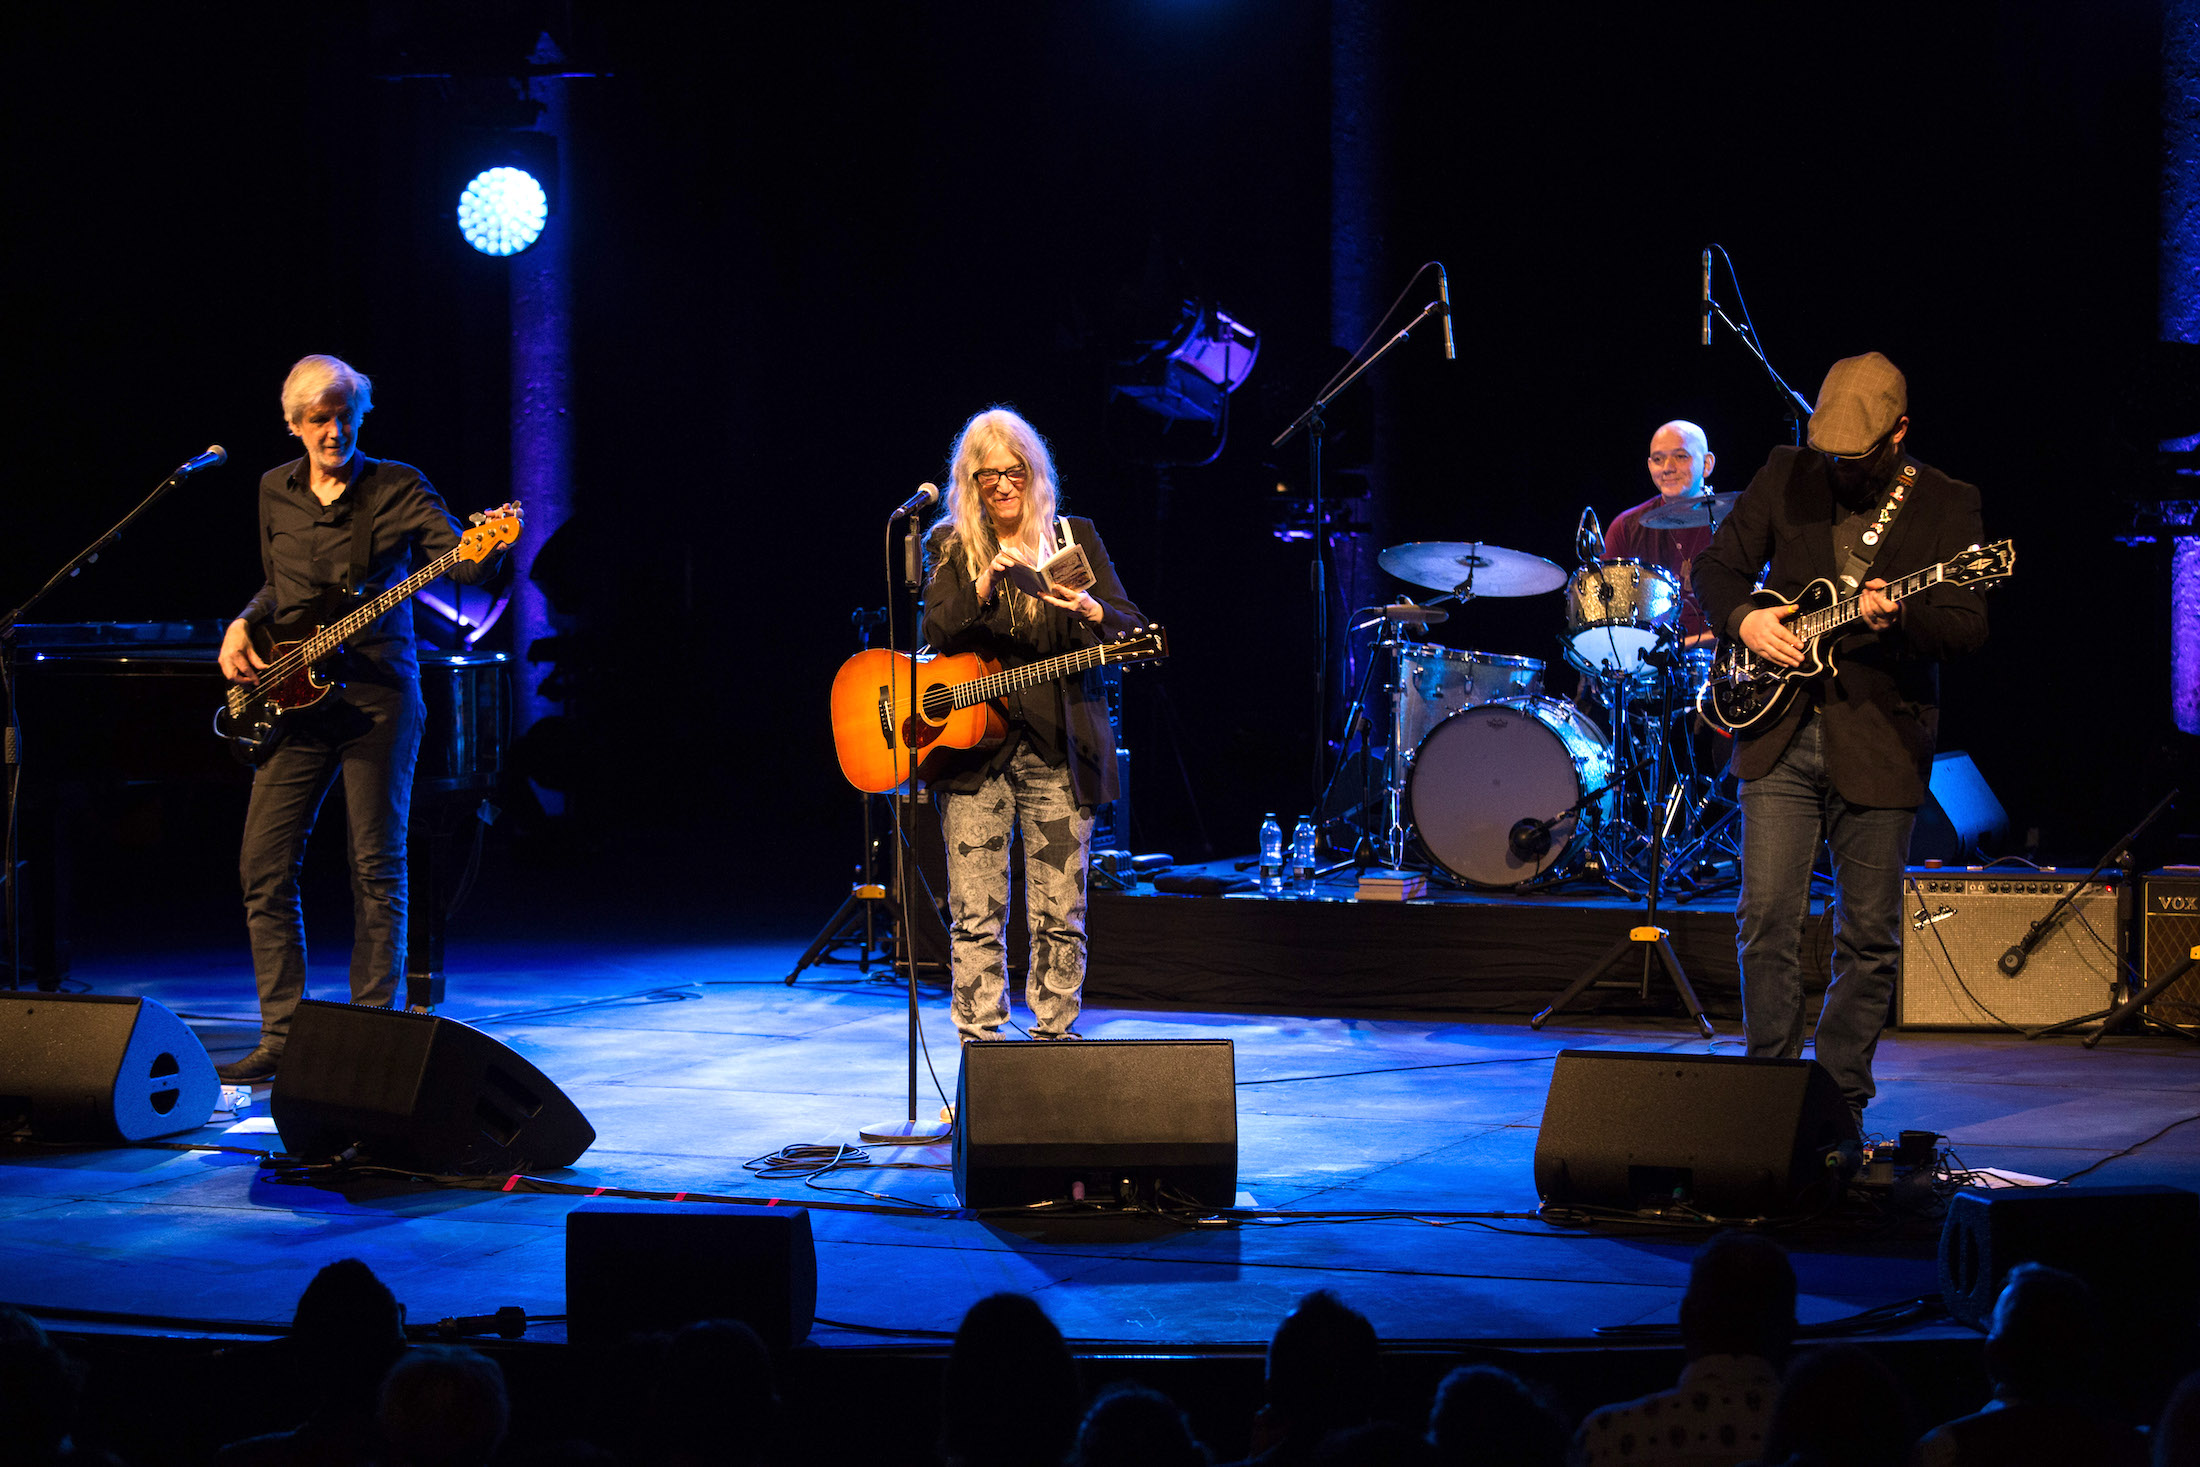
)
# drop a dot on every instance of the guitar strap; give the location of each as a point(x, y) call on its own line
point(362, 532)
point(1860, 556)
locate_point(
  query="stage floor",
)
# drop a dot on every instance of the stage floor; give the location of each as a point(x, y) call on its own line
point(691, 1060)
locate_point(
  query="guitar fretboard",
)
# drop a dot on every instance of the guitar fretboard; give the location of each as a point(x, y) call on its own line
point(1841, 613)
point(999, 684)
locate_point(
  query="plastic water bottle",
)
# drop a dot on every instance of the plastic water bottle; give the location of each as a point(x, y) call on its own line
point(1304, 835)
point(1271, 857)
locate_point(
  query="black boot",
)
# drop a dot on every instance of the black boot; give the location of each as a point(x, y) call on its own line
point(253, 1069)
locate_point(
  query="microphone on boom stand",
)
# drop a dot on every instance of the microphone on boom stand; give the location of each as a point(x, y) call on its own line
point(927, 494)
point(1707, 297)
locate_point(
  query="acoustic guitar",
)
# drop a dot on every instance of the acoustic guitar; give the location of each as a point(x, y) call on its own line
point(295, 679)
point(883, 733)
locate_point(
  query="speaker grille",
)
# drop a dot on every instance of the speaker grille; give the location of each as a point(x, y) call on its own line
point(2169, 931)
point(1956, 926)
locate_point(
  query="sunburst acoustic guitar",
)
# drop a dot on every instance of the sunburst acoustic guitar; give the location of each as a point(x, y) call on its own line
point(881, 732)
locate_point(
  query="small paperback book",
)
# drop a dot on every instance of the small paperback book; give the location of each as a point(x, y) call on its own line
point(1383, 884)
point(1066, 571)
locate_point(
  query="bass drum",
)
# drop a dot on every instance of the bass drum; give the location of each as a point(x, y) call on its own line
point(1484, 769)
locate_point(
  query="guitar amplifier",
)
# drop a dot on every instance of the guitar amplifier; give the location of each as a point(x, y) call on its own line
point(2169, 932)
point(1958, 923)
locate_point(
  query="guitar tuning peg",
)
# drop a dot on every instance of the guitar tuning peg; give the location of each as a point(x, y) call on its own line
point(477, 518)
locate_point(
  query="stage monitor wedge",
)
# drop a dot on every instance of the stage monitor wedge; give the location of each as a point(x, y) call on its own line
point(1096, 1118)
point(2138, 1247)
point(100, 1067)
point(634, 1267)
point(420, 1093)
point(1723, 1135)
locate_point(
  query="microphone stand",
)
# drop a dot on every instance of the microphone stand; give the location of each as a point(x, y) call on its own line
point(11, 734)
point(909, 1131)
point(1798, 410)
point(2115, 1016)
point(1653, 940)
point(1316, 425)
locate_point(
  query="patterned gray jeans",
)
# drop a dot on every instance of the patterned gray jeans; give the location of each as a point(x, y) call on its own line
point(1035, 795)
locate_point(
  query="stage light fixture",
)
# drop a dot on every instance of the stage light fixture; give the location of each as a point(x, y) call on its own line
point(502, 211)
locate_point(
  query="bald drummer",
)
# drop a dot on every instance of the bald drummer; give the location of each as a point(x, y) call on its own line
point(1680, 460)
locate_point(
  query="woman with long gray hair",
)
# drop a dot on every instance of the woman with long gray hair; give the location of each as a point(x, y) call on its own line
point(1058, 761)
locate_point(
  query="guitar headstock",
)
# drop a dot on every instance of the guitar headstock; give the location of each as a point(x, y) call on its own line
point(493, 530)
point(1145, 644)
point(1982, 565)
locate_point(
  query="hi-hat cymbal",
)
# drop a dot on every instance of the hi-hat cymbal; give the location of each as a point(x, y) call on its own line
point(1472, 567)
point(1689, 512)
point(1416, 616)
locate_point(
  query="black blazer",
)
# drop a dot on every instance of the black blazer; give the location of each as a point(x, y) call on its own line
point(1882, 706)
point(1065, 721)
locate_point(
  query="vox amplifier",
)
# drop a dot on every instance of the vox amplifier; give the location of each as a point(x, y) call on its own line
point(2169, 931)
point(1956, 924)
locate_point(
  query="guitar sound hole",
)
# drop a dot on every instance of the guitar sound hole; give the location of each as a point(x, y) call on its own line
point(938, 703)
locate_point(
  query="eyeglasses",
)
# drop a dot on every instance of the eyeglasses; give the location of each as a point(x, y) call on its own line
point(1681, 457)
point(987, 478)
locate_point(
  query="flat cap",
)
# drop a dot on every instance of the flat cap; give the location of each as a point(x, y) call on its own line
point(1859, 404)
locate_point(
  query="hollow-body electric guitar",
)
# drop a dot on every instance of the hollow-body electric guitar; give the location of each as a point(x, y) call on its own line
point(252, 718)
point(878, 726)
point(1745, 689)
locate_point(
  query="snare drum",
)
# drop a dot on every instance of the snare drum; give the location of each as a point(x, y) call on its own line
point(1484, 769)
point(1613, 613)
point(1435, 682)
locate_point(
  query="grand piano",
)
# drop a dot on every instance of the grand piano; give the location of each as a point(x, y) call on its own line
point(110, 706)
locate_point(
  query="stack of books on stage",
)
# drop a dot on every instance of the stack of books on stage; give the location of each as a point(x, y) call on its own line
point(1386, 884)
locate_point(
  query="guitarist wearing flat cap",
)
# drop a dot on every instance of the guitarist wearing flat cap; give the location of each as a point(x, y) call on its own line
point(1843, 755)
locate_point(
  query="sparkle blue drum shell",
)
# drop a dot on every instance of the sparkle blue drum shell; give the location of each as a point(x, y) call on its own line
point(1435, 682)
point(1484, 769)
point(1613, 613)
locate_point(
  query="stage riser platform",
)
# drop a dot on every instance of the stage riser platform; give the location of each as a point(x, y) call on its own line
point(1459, 954)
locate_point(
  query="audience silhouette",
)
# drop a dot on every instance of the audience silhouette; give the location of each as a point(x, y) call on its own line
point(1322, 1373)
point(1737, 1321)
point(1011, 1392)
point(1493, 1418)
point(347, 1331)
point(2043, 1354)
point(1129, 1425)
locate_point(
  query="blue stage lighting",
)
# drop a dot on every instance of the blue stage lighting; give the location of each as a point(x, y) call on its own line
point(502, 211)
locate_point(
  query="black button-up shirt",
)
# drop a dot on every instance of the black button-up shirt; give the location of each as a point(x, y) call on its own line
point(306, 547)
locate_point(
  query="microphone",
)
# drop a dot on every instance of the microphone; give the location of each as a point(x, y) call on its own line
point(926, 494)
point(1588, 535)
point(1707, 297)
point(1530, 839)
point(1443, 293)
point(2012, 961)
point(213, 458)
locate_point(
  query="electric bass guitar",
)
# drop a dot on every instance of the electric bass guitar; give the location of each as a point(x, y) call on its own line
point(1745, 690)
point(252, 718)
point(884, 728)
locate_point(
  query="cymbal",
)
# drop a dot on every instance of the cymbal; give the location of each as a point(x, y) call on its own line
point(1473, 567)
point(1689, 512)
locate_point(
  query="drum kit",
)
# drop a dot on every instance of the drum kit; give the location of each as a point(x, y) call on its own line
point(1500, 785)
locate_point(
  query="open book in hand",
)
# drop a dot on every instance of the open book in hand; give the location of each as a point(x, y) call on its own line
point(1066, 572)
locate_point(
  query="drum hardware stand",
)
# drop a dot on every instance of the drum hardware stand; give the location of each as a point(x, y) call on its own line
point(1315, 425)
point(2117, 1015)
point(1653, 941)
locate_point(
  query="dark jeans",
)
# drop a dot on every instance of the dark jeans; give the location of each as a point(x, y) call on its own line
point(1784, 817)
point(371, 736)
